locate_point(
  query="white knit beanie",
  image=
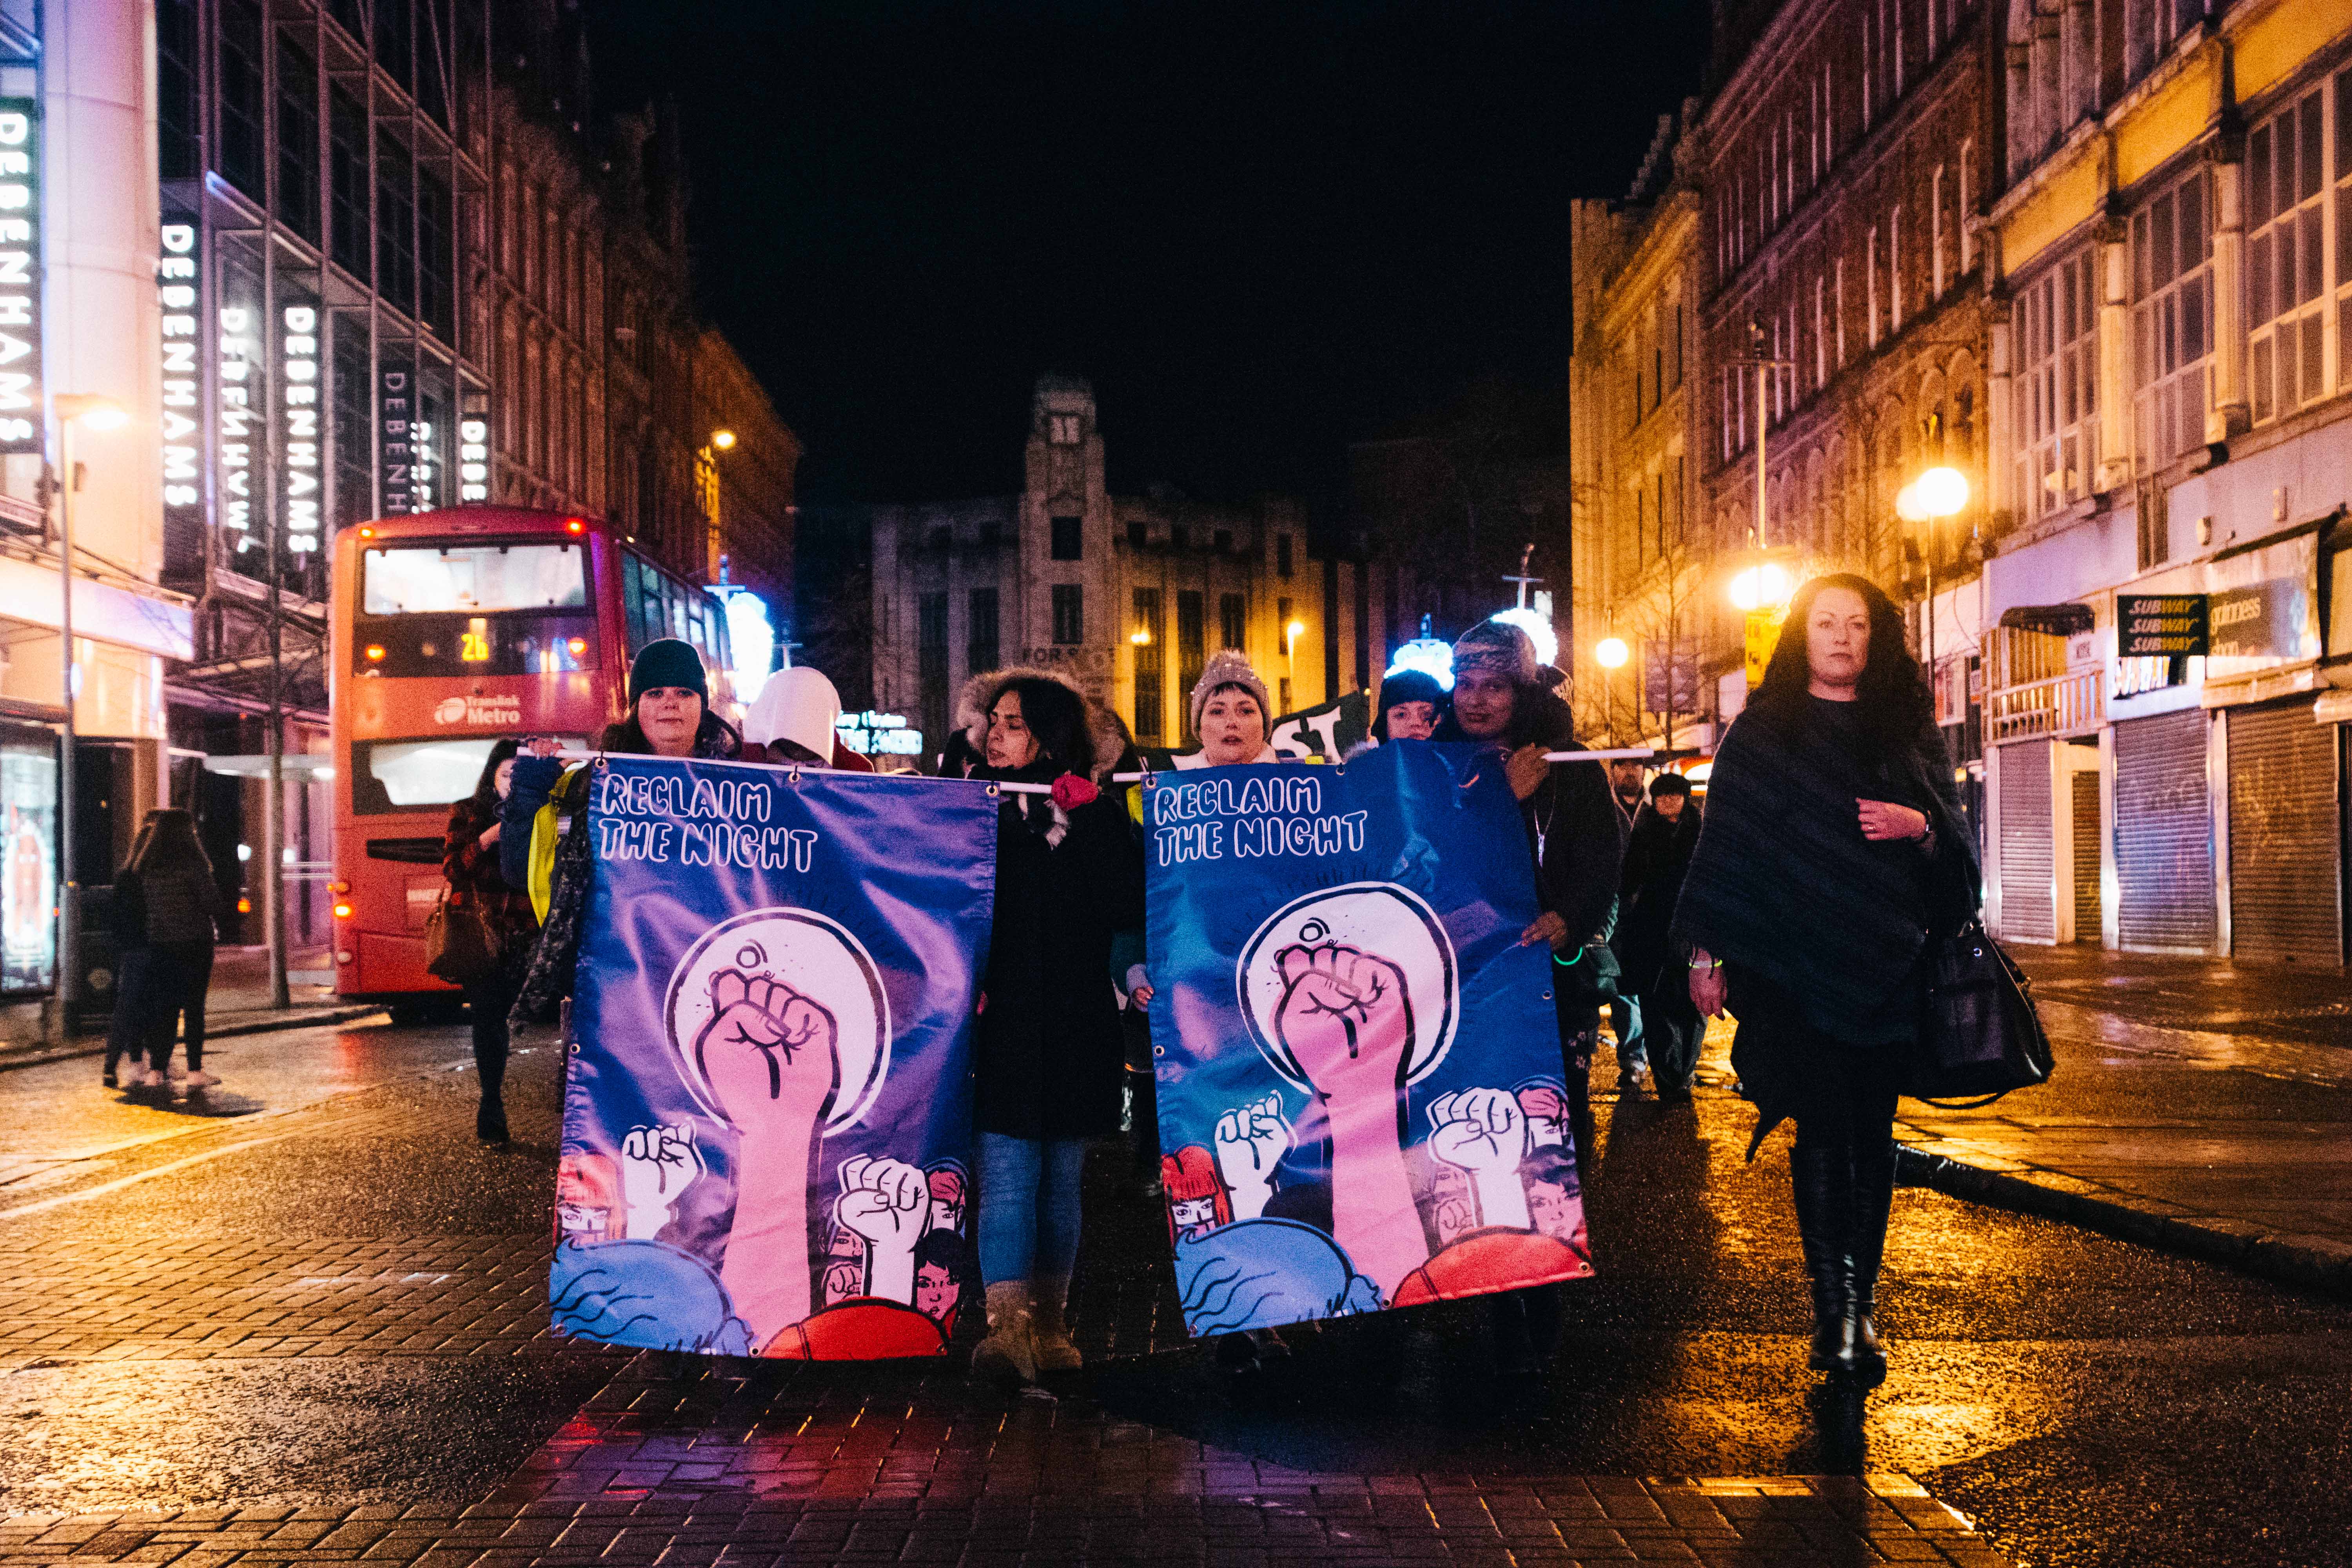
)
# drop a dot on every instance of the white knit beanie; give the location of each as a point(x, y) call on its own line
point(1229, 667)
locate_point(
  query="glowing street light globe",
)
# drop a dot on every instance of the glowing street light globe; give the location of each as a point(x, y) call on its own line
point(1611, 652)
point(1537, 628)
point(1432, 656)
point(1941, 492)
point(1761, 588)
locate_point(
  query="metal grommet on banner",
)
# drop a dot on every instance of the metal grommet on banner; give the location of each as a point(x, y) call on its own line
point(794, 778)
point(1547, 996)
point(991, 792)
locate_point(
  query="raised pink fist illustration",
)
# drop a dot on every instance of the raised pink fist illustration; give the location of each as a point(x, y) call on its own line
point(767, 1052)
point(1346, 1018)
point(1347, 1021)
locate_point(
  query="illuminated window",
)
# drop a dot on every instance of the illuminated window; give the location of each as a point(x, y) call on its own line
point(2286, 258)
point(2057, 320)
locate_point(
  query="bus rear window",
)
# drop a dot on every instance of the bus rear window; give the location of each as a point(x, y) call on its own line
point(473, 579)
point(389, 776)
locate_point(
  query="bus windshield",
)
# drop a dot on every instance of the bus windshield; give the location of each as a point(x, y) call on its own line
point(473, 579)
point(461, 609)
point(389, 776)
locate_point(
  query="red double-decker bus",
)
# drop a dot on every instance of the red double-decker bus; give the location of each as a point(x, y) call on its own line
point(450, 630)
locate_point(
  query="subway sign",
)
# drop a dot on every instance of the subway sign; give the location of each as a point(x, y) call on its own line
point(2161, 625)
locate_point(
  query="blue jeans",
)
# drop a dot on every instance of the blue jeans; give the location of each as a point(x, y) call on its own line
point(1028, 1206)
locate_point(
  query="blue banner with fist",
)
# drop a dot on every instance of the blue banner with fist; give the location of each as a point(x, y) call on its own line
point(1361, 1101)
point(767, 1120)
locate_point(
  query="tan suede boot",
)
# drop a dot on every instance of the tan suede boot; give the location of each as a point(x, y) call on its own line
point(1055, 1350)
point(1009, 1350)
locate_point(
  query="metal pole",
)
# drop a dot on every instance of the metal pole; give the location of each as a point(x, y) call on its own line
point(68, 889)
point(1763, 370)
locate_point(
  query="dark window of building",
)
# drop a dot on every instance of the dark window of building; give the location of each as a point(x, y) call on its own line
point(1232, 621)
point(240, 96)
point(394, 35)
point(1069, 613)
point(1150, 672)
point(1192, 632)
point(991, 534)
point(1068, 537)
point(175, 88)
point(1138, 534)
point(980, 641)
point(1179, 537)
point(347, 174)
point(1282, 635)
point(435, 292)
point(298, 140)
point(1282, 697)
point(1282, 554)
point(932, 663)
point(354, 470)
point(1224, 542)
point(939, 539)
point(396, 230)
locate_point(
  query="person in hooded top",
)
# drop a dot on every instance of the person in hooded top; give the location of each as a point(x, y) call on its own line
point(795, 719)
point(1409, 707)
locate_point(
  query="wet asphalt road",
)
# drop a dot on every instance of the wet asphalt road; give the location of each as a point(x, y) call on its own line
point(2086, 1401)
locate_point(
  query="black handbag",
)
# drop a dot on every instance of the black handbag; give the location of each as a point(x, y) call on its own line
point(1979, 1033)
point(461, 946)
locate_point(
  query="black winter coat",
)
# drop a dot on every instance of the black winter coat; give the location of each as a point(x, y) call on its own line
point(1050, 1054)
point(1655, 860)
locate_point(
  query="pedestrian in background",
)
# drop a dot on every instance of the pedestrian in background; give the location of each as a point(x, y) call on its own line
point(1049, 1055)
point(1626, 1018)
point(470, 862)
point(133, 961)
point(1830, 855)
point(1654, 977)
point(1504, 697)
point(181, 899)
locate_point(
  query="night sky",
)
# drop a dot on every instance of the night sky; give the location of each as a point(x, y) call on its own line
point(1262, 229)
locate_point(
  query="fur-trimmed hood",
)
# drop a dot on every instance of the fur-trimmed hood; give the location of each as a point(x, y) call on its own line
point(979, 694)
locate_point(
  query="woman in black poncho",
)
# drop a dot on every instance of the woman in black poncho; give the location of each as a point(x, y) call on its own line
point(1834, 849)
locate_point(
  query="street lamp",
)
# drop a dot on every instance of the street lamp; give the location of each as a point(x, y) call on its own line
point(1764, 587)
point(1610, 654)
point(98, 413)
point(1938, 493)
point(723, 440)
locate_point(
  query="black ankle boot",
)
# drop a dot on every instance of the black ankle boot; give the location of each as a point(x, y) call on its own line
point(1874, 1197)
point(1822, 1177)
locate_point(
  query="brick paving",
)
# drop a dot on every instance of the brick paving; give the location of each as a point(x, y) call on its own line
point(851, 1465)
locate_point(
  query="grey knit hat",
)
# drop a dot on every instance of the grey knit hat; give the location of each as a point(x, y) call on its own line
point(1229, 667)
point(1499, 646)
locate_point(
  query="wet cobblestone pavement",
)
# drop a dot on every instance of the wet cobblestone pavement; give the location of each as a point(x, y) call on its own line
point(315, 1333)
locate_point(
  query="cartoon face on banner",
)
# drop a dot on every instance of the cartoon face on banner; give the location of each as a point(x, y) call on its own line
point(1368, 958)
point(767, 1120)
point(1394, 1131)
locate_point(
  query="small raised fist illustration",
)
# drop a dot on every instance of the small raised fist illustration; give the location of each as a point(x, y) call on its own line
point(888, 1202)
point(768, 1051)
point(1344, 1017)
point(658, 1164)
point(1478, 1130)
point(1249, 1141)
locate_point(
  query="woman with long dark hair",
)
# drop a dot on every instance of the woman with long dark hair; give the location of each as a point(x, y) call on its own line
point(1834, 849)
point(1048, 1054)
point(169, 884)
point(470, 859)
